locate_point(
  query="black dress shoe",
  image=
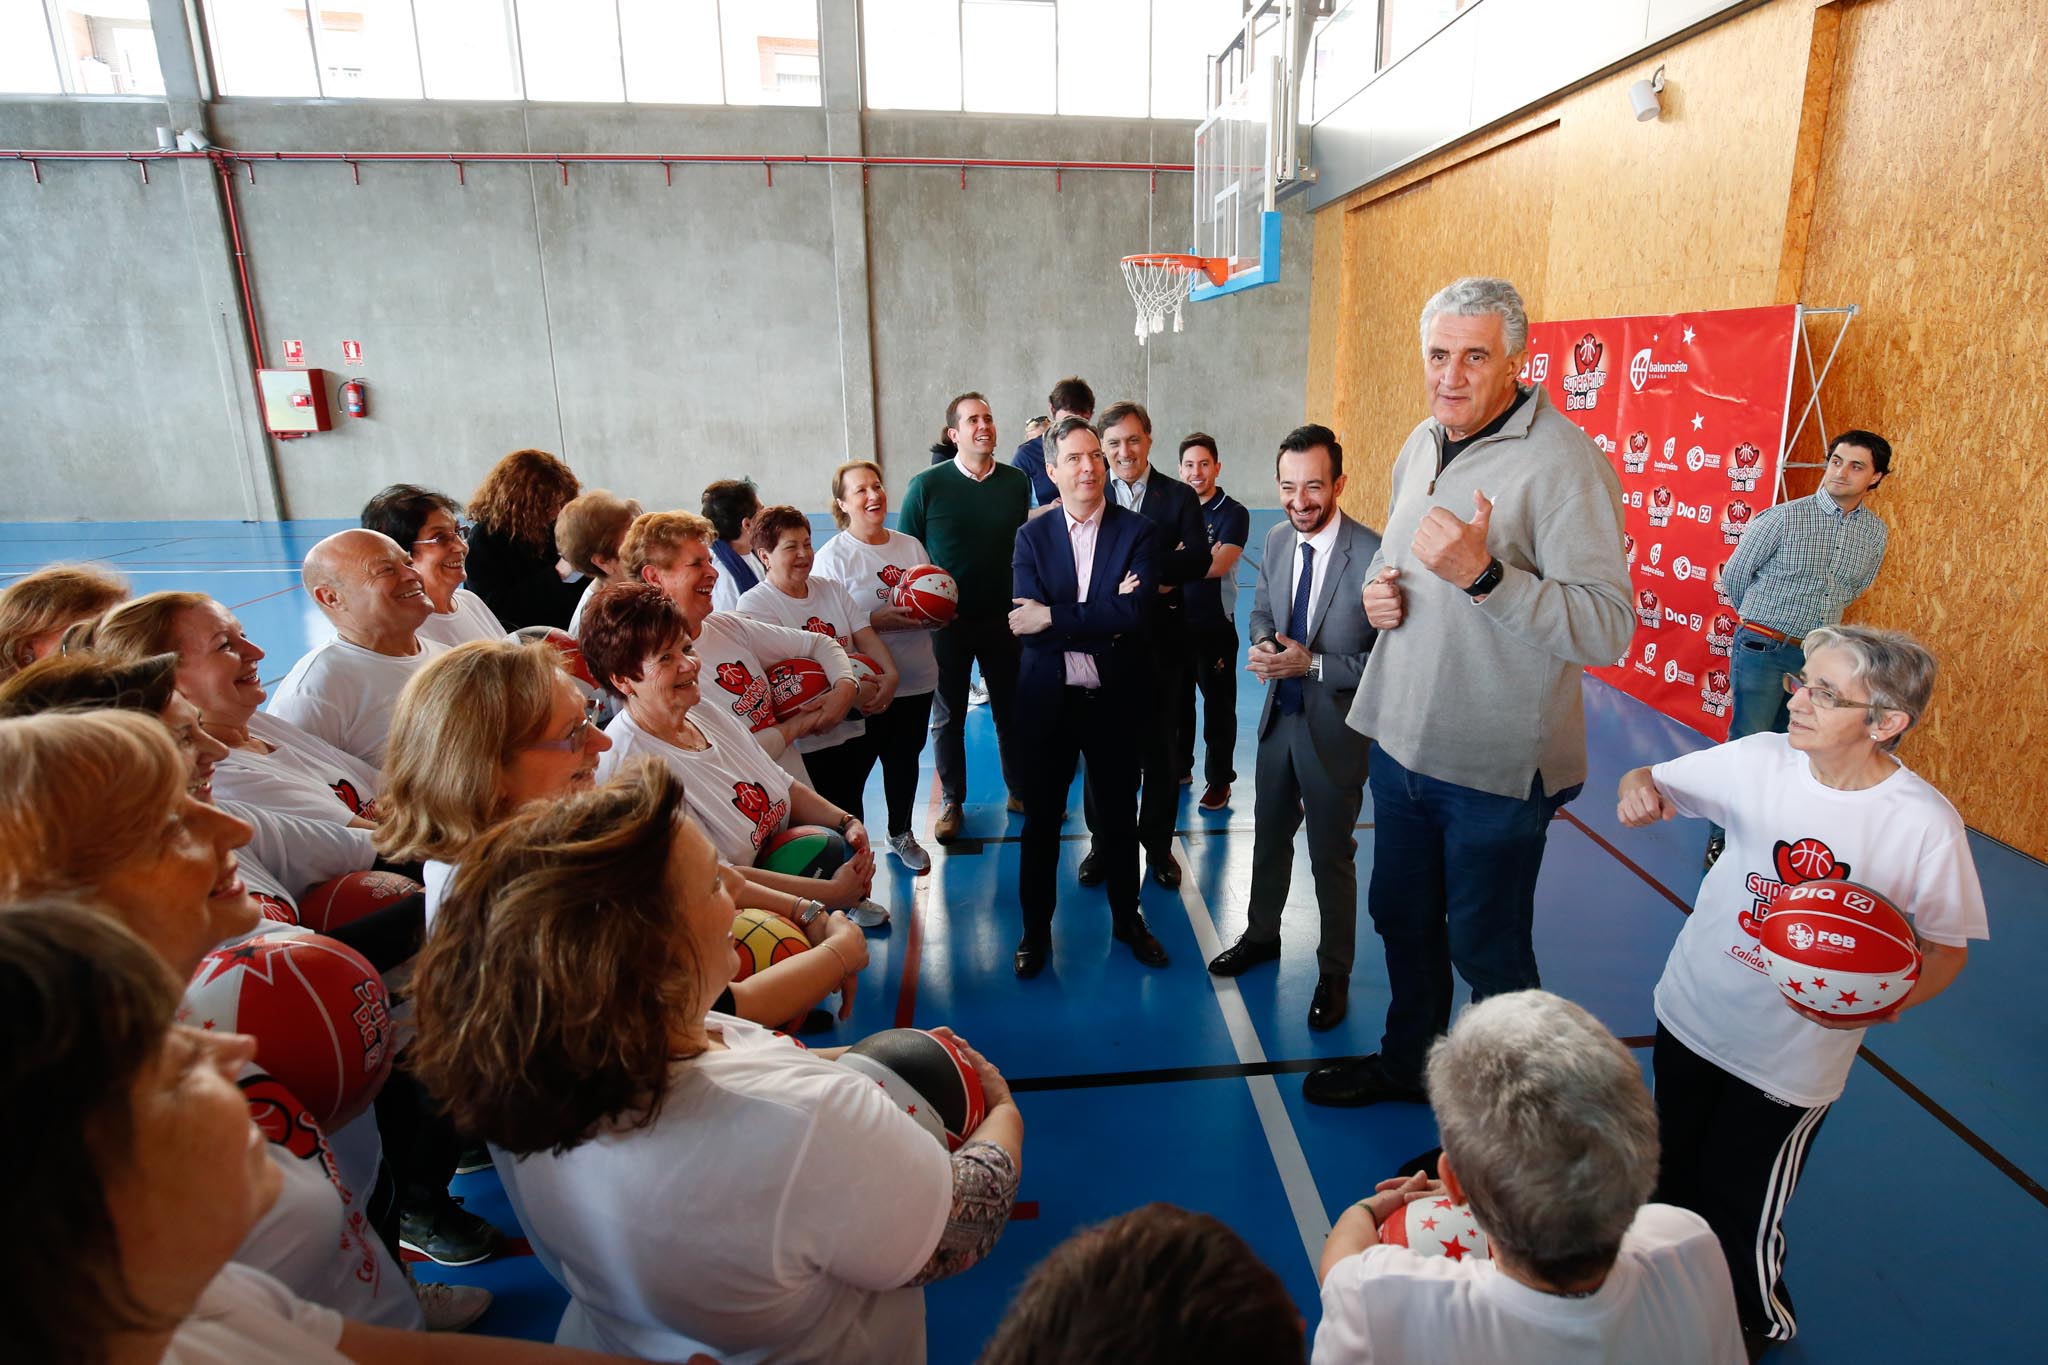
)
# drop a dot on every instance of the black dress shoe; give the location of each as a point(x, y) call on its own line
point(1351, 1085)
point(1332, 1001)
point(1241, 956)
point(1162, 868)
point(1091, 872)
point(1144, 947)
point(1031, 956)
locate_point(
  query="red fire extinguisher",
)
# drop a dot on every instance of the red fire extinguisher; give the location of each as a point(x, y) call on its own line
point(352, 399)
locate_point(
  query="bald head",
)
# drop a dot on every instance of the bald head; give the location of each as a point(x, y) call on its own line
point(365, 583)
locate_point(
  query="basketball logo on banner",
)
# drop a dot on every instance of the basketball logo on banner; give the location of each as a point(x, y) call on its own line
point(1694, 436)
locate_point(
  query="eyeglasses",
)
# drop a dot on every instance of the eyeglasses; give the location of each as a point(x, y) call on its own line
point(447, 540)
point(1820, 694)
point(575, 739)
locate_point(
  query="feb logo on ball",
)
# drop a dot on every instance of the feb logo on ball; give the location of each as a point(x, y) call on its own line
point(1839, 949)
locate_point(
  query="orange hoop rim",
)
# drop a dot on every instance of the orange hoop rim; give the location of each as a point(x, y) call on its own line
point(1217, 268)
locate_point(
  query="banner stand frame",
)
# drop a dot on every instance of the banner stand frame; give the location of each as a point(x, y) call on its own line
point(1801, 313)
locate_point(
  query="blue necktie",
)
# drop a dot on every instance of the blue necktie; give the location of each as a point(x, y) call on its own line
point(1287, 696)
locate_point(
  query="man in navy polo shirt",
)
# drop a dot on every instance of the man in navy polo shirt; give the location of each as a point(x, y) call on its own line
point(1212, 626)
point(1071, 397)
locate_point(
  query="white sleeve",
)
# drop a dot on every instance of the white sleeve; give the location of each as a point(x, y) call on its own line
point(1706, 784)
point(1947, 904)
point(1344, 1336)
point(873, 1189)
point(303, 853)
point(772, 644)
point(312, 713)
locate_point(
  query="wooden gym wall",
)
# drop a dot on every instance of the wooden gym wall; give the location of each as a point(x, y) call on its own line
point(1887, 153)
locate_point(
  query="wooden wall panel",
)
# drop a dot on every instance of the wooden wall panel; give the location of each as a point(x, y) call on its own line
point(1928, 215)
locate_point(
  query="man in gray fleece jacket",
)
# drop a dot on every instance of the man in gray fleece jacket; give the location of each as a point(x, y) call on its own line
point(1500, 575)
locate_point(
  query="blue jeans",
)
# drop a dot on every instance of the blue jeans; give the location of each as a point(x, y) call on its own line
point(1756, 673)
point(1453, 884)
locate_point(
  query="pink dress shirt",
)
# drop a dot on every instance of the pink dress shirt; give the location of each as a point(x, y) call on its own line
point(1081, 666)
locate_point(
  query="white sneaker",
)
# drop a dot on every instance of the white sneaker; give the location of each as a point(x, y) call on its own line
point(450, 1307)
point(912, 854)
point(977, 695)
point(869, 914)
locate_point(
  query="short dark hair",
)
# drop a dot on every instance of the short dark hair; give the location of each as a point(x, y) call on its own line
point(1066, 427)
point(953, 409)
point(728, 502)
point(1157, 1284)
point(624, 624)
point(402, 509)
point(1071, 394)
point(1306, 438)
point(1202, 439)
point(556, 968)
point(774, 523)
point(1117, 412)
point(1880, 449)
point(85, 1006)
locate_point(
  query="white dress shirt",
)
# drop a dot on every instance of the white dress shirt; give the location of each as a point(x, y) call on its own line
point(1081, 670)
point(1130, 496)
point(960, 463)
point(1323, 542)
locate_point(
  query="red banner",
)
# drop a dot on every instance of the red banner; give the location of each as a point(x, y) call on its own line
point(1690, 407)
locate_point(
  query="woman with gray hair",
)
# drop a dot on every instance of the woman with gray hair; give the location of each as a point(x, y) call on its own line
point(1744, 1075)
point(1551, 1139)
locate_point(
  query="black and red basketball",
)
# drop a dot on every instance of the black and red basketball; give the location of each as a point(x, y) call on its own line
point(928, 1078)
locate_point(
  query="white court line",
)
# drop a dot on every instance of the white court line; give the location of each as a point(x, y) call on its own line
point(1303, 1198)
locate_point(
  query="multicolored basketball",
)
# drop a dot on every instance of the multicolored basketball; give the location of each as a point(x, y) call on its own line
point(927, 1076)
point(349, 897)
point(316, 1009)
point(764, 940)
point(794, 684)
point(865, 669)
point(929, 593)
point(1436, 1227)
point(803, 851)
point(1839, 949)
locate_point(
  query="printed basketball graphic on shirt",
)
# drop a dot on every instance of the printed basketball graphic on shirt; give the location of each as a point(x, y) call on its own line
point(1638, 453)
point(1736, 520)
point(1585, 378)
point(891, 576)
point(1745, 463)
point(284, 1121)
point(817, 625)
point(751, 693)
point(1660, 506)
point(274, 909)
point(1793, 862)
point(353, 799)
point(750, 799)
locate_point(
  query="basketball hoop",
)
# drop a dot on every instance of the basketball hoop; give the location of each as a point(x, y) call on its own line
point(1160, 282)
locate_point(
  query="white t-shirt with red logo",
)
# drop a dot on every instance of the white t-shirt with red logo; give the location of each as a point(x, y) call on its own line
point(1667, 1299)
point(1901, 838)
point(736, 650)
point(739, 795)
point(303, 775)
point(345, 694)
point(775, 1210)
point(469, 618)
point(870, 573)
point(301, 854)
point(828, 611)
point(244, 1317)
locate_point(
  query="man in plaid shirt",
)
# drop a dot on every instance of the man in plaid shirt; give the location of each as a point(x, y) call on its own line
point(1798, 568)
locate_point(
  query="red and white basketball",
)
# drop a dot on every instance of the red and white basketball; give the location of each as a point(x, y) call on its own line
point(349, 897)
point(1436, 1227)
point(865, 669)
point(794, 684)
point(927, 1077)
point(1839, 949)
point(929, 593)
point(316, 1009)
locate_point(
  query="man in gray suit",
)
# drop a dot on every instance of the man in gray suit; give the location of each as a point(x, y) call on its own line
point(1309, 643)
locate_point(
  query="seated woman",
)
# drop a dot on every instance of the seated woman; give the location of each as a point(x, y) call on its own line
point(425, 523)
point(37, 609)
point(588, 531)
point(148, 1174)
point(490, 728)
point(99, 805)
point(1744, 1075)
point(838, 759)
point(638, 642)
point(512, 551)
point(697, 1182)
point(271, 763)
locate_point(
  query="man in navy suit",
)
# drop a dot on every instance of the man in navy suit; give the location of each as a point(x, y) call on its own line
point(1083, 578)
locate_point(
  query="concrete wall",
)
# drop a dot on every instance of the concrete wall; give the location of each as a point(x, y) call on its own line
point(656, 336)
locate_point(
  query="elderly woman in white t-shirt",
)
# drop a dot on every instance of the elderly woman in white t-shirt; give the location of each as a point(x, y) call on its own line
point(1745, 1075)
point(869, 561)
point(271, 763)
point(696, 1181)
point(149, 1174)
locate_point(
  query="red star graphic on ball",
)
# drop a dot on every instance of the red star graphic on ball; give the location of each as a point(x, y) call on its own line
point(1445, 1204)
point(1848, 998)
point(1429, 1224)
point(910, 1109)
point(1796, 988)
point(1455, 1249)
point(1820, 983)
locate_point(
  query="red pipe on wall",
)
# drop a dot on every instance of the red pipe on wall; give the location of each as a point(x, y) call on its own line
point(227, 191)
point(649, 158)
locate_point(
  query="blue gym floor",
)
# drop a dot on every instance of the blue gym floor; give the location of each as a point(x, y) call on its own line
point(1919, 1231)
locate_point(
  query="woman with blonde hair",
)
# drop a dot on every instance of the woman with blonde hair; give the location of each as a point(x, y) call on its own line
point(699, 1182)
point(37, 609)
point(512, 550)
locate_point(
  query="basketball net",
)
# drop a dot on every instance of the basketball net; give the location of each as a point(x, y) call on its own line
point(1159, 284)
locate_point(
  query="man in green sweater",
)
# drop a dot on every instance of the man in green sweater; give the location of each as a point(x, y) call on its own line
point(967, 510)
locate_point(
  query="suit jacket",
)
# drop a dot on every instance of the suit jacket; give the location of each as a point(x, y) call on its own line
point(1109, 625)
point(1338, 631)
point(1181, 547)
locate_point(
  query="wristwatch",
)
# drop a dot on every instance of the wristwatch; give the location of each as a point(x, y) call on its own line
point(1315, 668)
point(808, 911)
point(844, 824)
point(1487, 581)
